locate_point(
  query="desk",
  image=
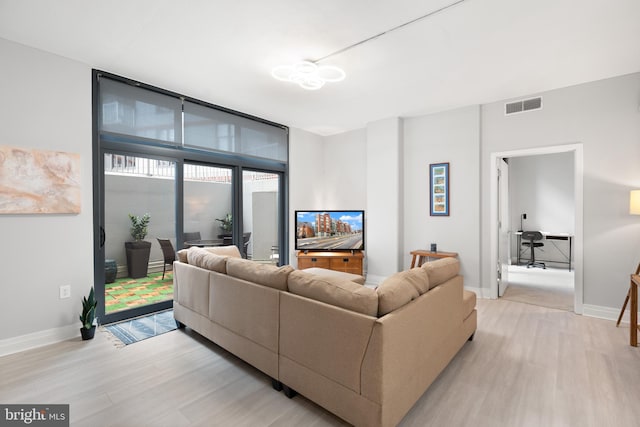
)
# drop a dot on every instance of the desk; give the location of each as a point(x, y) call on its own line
point(421, 254)
point(633, 324)
point(203, 243)
point(549, 236)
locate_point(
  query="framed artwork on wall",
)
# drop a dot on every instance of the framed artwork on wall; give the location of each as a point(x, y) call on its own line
point(34, 181)
point(439, 189)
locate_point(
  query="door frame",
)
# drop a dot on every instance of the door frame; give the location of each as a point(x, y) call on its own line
point(578, 161)
point(504, 225)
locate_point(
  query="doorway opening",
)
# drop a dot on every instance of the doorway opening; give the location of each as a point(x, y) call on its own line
point(538, 190)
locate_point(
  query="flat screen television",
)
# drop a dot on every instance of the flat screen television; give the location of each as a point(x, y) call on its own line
point(329, 230)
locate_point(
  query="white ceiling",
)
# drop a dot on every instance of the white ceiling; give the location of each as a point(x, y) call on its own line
point(222, 52)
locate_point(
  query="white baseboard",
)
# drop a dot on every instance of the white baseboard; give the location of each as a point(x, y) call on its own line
point(38, 339)
point(52, 336)
point(608, 313)
point(480, 292)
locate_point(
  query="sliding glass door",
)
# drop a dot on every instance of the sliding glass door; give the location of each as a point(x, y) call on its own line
point(139, 213)
point(172, 172)
point(208, 210)
point(261, 215)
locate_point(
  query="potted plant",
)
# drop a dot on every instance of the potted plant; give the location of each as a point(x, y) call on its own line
point(226, 223)
point(88, 316)
point(138, 250)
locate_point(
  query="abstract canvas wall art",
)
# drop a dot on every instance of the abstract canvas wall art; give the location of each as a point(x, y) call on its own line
point(39, 181)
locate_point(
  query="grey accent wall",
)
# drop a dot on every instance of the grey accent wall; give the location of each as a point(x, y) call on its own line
point(46, 104)
point(453, 137)
point(604, 117)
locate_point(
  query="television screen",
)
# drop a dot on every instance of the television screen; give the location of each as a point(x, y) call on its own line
point(329, 230)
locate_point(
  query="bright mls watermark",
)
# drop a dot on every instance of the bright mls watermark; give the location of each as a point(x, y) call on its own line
point(34, 415)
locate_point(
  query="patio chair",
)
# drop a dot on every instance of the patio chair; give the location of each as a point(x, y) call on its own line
point(245, 244)
point(168, 252)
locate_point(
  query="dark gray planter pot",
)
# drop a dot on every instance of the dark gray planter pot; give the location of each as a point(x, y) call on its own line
point(88, 334)
point(137, 258)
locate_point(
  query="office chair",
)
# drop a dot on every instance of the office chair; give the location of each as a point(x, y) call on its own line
point(532, 240)
point(168, 253)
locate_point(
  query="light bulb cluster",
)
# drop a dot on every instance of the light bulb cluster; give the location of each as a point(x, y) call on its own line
point(308, 75)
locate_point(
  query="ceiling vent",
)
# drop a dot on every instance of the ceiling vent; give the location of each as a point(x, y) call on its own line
point(523, 105)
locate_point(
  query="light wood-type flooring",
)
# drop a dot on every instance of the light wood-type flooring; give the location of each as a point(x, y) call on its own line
point(550, 287)
point(527, 366)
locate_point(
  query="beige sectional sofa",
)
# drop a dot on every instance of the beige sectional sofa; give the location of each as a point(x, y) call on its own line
point(364, 354)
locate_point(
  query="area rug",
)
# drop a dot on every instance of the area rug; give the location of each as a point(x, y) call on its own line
point(141, 328)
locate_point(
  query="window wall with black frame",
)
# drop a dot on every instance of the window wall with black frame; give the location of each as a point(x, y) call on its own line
point(172, 170)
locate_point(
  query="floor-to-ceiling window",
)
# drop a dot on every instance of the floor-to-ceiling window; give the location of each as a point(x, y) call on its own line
point(198, 174)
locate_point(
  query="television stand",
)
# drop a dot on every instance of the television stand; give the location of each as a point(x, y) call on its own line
point(347, 262)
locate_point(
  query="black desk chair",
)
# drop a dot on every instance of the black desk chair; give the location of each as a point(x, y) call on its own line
point(532, 240)
point(168, 253)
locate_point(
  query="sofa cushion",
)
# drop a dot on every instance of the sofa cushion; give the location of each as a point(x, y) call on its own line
point(335, 291)
point(205, 259)
point(182, 256)
point(262, 274)
point(400, 288)
point(441, 270)
point(230, 251)
point(333, 273)
point(468, 303)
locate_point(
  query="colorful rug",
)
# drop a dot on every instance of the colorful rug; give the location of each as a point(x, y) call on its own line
point(128, 293)
point(139, 329)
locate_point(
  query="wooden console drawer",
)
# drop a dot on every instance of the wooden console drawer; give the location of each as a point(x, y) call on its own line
point(310, 262)
point(347, 262)
point(347, 265)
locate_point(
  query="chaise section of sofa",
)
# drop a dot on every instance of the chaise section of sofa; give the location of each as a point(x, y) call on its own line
point(368, 366)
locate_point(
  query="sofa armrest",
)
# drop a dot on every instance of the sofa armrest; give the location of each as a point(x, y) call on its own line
point(399, 363)
point(191, 287)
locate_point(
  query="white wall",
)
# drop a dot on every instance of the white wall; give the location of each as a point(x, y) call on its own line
point(453, 137)
point(542, 186)
point(46, 104)
point(383, 230)
point(345, 165)
point(604, 117)
point(306, 175)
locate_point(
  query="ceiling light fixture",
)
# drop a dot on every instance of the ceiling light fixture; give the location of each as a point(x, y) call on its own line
point(308, 75)
point(311, 76)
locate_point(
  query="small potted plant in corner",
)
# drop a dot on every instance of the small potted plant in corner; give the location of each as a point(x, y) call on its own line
point(88, 316)
point(138, 250)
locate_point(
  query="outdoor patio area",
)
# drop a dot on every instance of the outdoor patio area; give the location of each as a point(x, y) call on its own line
point(126, 293)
